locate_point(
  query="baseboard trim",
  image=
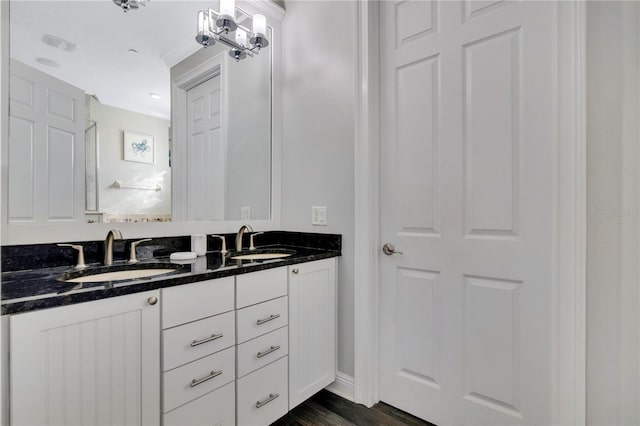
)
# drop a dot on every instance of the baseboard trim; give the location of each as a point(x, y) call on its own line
point(343, 386)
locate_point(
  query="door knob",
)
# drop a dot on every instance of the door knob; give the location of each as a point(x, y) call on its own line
point(152, 300)
point(389, 249)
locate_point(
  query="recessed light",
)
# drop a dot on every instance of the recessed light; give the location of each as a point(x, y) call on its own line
point(154, 96)
point(47, 62)
point(59, 43)
point(133, 51)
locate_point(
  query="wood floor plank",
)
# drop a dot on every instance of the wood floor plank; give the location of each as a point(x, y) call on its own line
point(401, 416)
point(355, 413)
point(313, 414)
point(286, 420)
point(328, 409)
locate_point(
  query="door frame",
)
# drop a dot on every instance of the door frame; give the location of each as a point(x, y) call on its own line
point(568, 393)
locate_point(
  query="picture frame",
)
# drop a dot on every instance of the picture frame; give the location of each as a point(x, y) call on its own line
point(139, 147)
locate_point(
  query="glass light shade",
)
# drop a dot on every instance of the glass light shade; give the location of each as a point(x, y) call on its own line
point(205, 34)
point(228, 7)
point(259, 24)
point(203, 22)
point(241, 37)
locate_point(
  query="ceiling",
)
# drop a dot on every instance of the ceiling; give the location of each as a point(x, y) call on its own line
point(162, 33)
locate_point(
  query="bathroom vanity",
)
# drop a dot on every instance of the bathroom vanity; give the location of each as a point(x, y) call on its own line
point(238, 342)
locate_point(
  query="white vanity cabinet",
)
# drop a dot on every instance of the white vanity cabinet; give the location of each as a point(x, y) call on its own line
point(198, 353)
point(263, 346)
point(312, 328)
point(89, 363)
point(239, 350)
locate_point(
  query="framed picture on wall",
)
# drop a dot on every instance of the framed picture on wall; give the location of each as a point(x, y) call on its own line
point(139, 147)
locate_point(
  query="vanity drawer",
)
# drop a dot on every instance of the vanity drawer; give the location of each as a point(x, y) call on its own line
point(216, 408)
point(263, 350)
point(191, 302)
point(263, 395)
point(259, 286)
point(190, 381)
point(262, 318)
point(197, 339)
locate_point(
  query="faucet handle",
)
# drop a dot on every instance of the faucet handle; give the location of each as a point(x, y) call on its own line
point(251, 246)
point(80, 262)
point(132, 255)
point(223, 249)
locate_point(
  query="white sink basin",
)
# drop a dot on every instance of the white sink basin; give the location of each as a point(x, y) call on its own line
point(122, 272)
point(119, 275)
point(261, 256)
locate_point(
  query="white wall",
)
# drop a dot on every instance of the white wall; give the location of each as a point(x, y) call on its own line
point(613, 308)
point(318, 136)
point(112, 122)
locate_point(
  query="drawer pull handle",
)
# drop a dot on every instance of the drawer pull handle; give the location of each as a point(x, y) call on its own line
point(269, 318)
point(268, 351)
point(196, 382)
point(207, 339)
point(272, 396)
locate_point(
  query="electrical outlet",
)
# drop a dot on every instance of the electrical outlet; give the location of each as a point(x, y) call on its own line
point(319, 215)
point(245, 213)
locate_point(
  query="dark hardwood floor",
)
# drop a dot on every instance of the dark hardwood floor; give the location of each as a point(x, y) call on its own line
point(325, 408)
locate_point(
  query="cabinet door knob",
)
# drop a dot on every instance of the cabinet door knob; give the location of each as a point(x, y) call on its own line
point(295, 271)
point(152, 300)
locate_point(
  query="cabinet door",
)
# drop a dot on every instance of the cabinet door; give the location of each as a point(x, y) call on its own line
point(87, 364)
point(312, 328)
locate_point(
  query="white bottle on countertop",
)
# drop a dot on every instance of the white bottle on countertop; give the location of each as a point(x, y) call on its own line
point(199, 244)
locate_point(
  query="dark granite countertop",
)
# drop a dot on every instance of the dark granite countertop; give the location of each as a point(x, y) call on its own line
point(29, 290)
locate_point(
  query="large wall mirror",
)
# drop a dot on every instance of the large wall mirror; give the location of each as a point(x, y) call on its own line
point(121, 118)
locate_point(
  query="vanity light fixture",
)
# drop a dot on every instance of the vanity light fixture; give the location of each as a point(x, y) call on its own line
point(126, 5)
point(217, 26)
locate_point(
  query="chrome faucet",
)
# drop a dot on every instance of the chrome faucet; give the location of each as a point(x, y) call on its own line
point(239, 235)
point(113, 234)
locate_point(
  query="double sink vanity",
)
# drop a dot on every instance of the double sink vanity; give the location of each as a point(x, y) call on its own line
point(237, 337)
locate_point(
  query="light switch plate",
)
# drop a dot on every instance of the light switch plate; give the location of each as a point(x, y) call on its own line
point(245, 213)
point(319, 215)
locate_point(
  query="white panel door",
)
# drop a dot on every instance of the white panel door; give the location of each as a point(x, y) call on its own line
point(206, 152)
point(467, 196)
point(94, 363)
point(46, 148)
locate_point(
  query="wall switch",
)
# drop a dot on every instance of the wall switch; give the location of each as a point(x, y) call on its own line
point(319, 215)
point(245, 213)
